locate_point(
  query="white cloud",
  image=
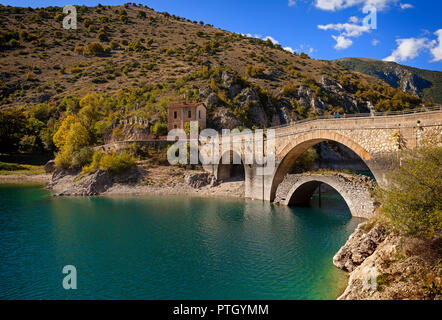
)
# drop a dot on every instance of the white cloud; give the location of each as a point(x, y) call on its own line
point(289, 49)
point(274, 41)
point(375, 42)
point(334, 5)
point(249, 35)
point(354, 19)
point(292, 3)
point(409, 49)
point(305, 48)
point(405, 6)
point(349, 29)
point(436, 51)
point(342, 42)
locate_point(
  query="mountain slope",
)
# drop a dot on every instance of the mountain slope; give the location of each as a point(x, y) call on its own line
point(419, 82)
point(130, 62)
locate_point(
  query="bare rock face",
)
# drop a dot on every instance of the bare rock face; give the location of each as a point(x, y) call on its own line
point(212, 100)
point(70, 183)
point(199, 180)
point(359, 247)
point(400, 268)
point(50, 166)
point(223, 118)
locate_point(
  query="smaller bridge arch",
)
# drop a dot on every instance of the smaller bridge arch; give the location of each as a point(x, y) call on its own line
point(355, 189)
point(234, 168)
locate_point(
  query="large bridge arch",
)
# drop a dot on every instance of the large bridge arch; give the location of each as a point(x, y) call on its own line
point(355, 190)
point(288, 155)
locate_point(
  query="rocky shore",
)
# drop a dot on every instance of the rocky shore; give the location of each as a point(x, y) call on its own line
point(155, 180)
point(25, 178)
point(385, 266)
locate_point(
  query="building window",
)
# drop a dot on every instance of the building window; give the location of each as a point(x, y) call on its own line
point(175, 114)
point(189, 114)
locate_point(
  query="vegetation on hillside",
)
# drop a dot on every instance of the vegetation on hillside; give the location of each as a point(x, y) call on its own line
point(428, 83)
point(126, 63)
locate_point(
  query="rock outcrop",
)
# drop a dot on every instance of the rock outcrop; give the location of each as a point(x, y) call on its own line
point(72, 183)
point(359, 247)
point(390, 267)
point(199, 180)
point(50, 166)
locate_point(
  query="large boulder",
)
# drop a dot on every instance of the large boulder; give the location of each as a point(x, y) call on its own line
point(199, 180)
point(212, 100)
point(224, 118)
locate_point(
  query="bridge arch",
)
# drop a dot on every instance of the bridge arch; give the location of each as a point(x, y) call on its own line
point(355, 190)
point(234, 168)
point(296, 147)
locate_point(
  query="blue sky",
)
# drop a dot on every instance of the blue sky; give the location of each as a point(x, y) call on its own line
point(406, 31)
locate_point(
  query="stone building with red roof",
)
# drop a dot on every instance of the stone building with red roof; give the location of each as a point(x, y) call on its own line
point(180, 114)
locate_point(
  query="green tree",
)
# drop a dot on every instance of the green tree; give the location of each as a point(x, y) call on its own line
point(411, 204)
point(159, 129)
point(12, 129)
point(306, 160)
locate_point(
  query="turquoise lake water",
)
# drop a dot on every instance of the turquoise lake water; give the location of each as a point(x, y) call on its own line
point(169, 247)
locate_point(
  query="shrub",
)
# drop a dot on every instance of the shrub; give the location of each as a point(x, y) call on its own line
point(59, 17)
point(135, 46)
point(254, 71)
point(412, 202)
point(102, 35)
point(14, 43)
point(81, 157)
point(159, 128)
point(117, 163)
point(78, 50)
point(24, 35)
point(114, 45)
point(290, 89)
point(93, 49)
point(94, 164)
point(30, 76)
point(304, 55)
point(141, 14)
point(124, 19)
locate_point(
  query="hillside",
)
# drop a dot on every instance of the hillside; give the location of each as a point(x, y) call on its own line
point(130, 62)
point(422, 83)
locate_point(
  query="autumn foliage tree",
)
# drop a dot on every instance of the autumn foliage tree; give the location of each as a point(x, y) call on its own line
point(72, 139)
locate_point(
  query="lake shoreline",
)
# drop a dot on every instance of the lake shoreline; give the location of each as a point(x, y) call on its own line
point(25, 178)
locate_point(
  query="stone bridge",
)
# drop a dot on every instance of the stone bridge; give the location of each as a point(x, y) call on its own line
point(375, 139)
point(357, 190)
